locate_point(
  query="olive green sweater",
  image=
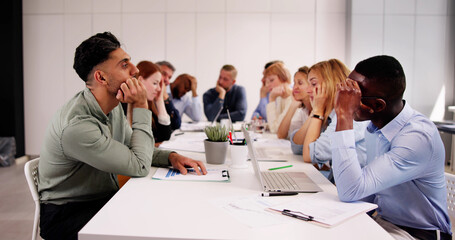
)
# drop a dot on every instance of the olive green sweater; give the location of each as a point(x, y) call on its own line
point(84, 150)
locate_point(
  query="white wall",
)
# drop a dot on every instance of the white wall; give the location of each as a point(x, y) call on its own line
point(199, 36)
point(416, 32)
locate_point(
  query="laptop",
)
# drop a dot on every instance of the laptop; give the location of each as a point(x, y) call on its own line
point(280, 181)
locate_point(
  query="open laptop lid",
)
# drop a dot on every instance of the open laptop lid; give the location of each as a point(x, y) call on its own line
point(254, 161)
point(304, 182)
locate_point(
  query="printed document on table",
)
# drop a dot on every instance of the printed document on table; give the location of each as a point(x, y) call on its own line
point(251, 211)
point(193, 143)
point(326, 208)
point(213, 175)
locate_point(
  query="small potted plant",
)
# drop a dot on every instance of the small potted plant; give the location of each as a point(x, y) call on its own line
point(216, 144)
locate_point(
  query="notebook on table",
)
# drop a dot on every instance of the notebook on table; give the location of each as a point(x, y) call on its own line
point(279, 181)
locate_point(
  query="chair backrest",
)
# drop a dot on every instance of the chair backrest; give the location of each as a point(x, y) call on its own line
point(450, 182)
point(31, 174)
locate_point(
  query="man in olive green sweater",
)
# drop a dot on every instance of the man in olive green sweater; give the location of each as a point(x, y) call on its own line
point(89, 140)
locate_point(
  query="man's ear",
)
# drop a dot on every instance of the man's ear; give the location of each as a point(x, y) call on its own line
point(379, 105)
point(100, 77)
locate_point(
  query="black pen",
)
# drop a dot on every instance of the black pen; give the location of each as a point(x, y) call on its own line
point(178, 134)
point(290, 213)
point(273, 194)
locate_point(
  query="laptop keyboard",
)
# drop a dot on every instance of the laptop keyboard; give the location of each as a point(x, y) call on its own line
point(279, 180)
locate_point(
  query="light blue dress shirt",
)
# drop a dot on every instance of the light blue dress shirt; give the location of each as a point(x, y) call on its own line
point(404, 173)
point(188, 105)
point(320, 150)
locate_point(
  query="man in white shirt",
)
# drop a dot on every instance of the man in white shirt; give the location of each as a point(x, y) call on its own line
point(404, 171)
point(191, 106)
point(182, 100)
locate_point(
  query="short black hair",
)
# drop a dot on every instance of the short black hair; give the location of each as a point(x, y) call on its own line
point(267, 65)
point(387, 72)
point(167, 64)
point(92, 52)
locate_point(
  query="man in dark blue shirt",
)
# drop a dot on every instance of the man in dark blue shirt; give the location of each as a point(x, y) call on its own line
point(225, 96)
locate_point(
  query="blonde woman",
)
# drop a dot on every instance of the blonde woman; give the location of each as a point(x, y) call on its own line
point(277, 80)
point(312, 139)
point(300, 107)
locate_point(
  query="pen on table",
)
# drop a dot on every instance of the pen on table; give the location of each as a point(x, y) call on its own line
point(230, 138)
point(297, 215)
point(178, 134)
point(271, 169)
point(276, 194)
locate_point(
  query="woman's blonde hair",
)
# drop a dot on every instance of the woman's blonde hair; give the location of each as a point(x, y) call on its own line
point(280, 71)
point(332, 71)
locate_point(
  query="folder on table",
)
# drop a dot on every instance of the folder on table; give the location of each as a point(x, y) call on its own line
point(213, 175)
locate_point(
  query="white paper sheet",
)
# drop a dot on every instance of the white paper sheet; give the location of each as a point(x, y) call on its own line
point(192, 143)
point(250, 211)
point(326, 208)
point(273, 143)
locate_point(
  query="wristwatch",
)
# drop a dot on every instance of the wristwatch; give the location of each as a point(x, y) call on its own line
point(317, 116)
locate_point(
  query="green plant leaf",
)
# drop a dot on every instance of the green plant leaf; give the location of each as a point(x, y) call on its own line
point(216, 133)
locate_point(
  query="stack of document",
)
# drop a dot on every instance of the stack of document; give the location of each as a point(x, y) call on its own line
point(323, 208)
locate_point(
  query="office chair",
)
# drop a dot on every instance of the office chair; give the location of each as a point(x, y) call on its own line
point(31, 174)
point(450, 182)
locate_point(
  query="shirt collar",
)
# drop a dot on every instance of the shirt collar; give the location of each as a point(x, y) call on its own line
point(94, 107)
point(393, 127)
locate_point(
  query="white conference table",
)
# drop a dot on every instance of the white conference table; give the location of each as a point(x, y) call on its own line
point(155, 209)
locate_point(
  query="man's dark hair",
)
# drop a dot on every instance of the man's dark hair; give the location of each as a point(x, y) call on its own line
point(385, 71)
point(167, 64)
point(92, 52)
point(271, 62)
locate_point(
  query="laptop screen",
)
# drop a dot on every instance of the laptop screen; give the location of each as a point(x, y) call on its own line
point(254, 161)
